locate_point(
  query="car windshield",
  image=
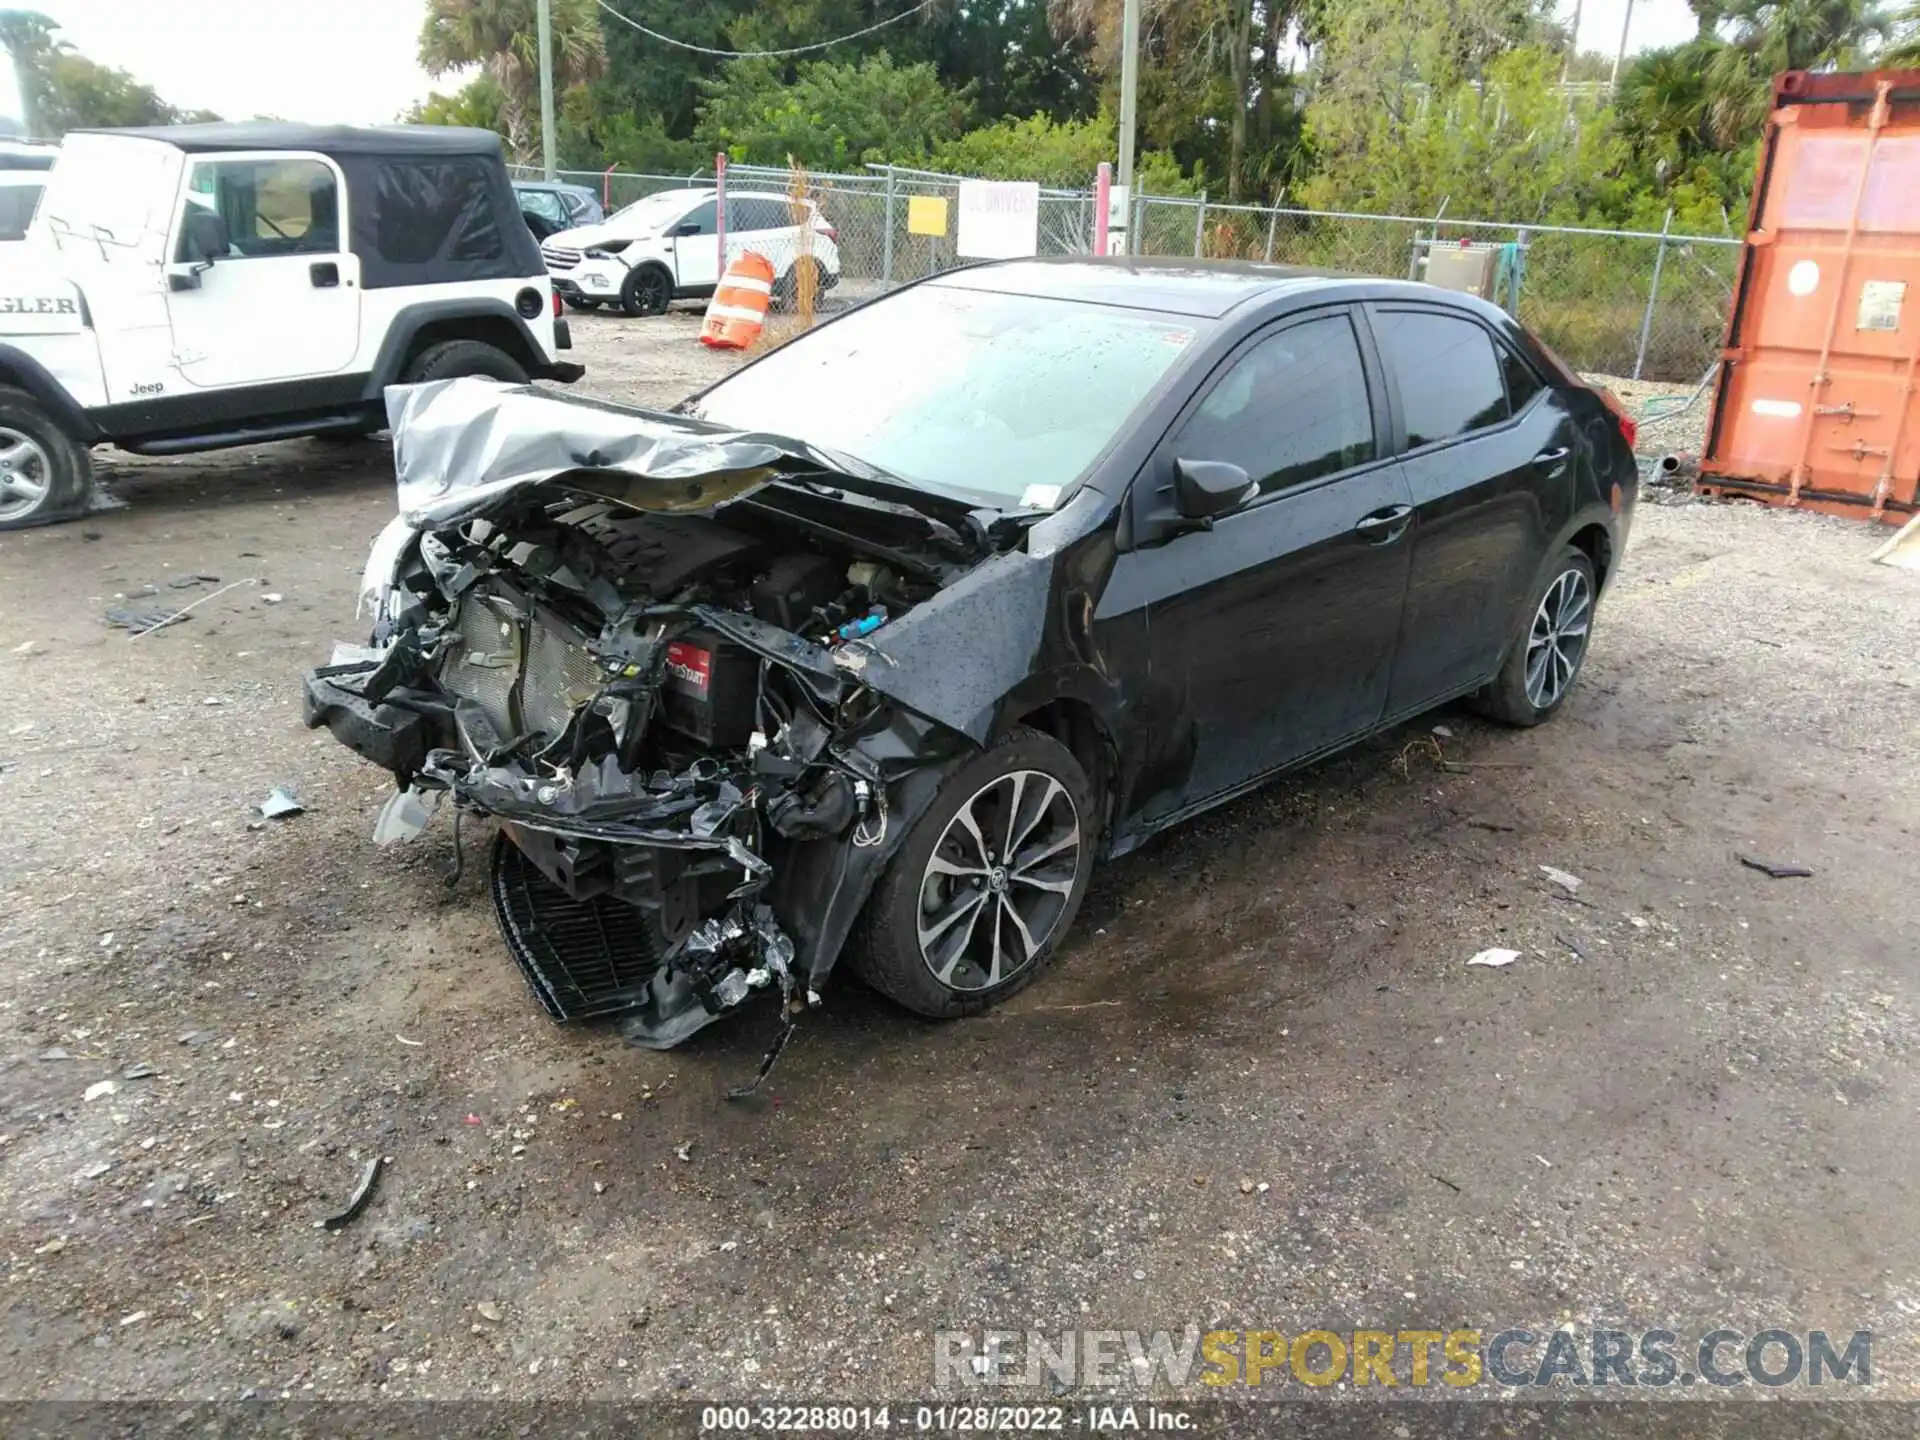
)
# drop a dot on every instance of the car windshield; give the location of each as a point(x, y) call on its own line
point(656, 210)
point(1001, 400)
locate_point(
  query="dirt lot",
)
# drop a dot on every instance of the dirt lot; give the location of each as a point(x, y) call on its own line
point(1262, 1088)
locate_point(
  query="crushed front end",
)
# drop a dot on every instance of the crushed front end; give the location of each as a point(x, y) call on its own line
point(644, 650)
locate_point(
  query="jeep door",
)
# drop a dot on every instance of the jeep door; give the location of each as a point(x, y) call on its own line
point(282, 302)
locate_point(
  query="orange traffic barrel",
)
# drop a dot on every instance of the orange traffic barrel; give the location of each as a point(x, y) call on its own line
point(738, 309)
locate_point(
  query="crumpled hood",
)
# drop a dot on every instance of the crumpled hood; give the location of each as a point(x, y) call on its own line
point(462, 446)
point(583, 237)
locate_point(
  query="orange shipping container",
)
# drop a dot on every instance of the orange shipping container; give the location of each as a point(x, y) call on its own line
point(1816, 402)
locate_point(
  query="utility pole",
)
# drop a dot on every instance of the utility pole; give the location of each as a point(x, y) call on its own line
point(1129, 85)
point(545, 10)
point(1620, 55)
point(1573, 44)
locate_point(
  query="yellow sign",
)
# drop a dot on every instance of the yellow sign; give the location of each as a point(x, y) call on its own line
point(926, 214)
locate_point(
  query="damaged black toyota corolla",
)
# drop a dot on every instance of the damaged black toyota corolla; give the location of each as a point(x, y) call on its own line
point(880, 642)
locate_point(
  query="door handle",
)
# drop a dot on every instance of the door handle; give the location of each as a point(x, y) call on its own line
point(1383, 527)
point(324, 274)
point(1552, 463)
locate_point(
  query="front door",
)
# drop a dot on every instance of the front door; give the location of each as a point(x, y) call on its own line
point(1489, 457)
point(1277, 626)
point(696, 253)
point(284, 302)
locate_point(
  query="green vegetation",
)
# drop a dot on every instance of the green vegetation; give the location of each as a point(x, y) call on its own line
point(63, 90)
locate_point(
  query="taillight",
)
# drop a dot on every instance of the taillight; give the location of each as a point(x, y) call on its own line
point(556, 305)
point(1629, 427)
point(832, 232)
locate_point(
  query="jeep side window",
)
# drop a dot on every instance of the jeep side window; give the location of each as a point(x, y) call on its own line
point(271, 207)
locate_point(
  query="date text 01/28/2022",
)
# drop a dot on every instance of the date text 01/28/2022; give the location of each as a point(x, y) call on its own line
point(940, 1419)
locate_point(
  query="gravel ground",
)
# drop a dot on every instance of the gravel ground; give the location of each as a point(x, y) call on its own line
point(1261, 1090)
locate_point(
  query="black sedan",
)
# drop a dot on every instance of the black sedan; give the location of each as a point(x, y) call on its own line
point(877, 645)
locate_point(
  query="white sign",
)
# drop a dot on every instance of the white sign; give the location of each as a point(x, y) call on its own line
point(1119, 212)
point(999, 219)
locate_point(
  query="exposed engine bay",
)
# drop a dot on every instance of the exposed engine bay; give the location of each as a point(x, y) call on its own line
point(673, 693)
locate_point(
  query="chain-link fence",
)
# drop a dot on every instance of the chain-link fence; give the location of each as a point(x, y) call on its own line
point(1621, 302)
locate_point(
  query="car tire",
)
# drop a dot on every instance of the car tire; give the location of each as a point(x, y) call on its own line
point(45, 474)
point(906, 948)
point(648, 290)
point(452, 359)
point(786, 289)
point(1546, 657)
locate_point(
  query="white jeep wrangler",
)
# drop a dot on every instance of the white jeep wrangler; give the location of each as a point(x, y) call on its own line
point(197, 286)
point(667, 247)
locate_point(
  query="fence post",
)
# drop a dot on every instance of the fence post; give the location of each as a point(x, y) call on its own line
point(1102, 189)
point(1199, 224)
point(1273, 223)
point(1519, 271)
point(1137, 236)
point(720, 214)
point(1653, 294)
point(886, 236)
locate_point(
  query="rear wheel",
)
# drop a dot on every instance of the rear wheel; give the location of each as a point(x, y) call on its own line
point(451, 359)
point(1546, 660)
point(978, 899)
point(647, 291)
point(45, 475)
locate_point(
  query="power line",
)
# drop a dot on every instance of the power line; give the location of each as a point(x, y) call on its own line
point(762, 54)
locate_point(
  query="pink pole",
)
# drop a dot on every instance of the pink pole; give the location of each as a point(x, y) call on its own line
point(606, 189)
point(720, 213)
point(1102, 193)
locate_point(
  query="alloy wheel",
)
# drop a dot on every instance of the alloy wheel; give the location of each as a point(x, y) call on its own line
point(25, 475)
point(1558, 638)
point(651, 293)
point(997, 885)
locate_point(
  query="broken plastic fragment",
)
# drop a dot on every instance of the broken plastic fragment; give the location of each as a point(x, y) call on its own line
point(1562, 878)
point(1495, 958)
point(405, 815)
point(280, 803)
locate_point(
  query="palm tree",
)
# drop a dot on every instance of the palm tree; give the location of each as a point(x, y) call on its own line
point(1905, 28)
point(1665, 104)
point(1775, 35)
point(500, 36)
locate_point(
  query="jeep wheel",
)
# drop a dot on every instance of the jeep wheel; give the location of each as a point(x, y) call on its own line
point(451, 359)
point(45, 475)
point(648, 291)
point(976, 903)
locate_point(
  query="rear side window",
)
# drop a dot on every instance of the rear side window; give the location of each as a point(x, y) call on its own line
point(435, 211)
point(1450, 378)
point(1291, 409)
point(1522, 383)
point(758, 213)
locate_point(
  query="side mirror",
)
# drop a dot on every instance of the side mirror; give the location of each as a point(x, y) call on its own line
point(1203, 489)
point(203, 239)
point(685, 227)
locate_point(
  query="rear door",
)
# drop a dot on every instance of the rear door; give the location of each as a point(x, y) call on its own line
point(1278, 624)
point(1488, 451)
point(284, 303)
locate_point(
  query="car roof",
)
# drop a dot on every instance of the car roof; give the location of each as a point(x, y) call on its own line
point(322, 139)
point(1198, 288)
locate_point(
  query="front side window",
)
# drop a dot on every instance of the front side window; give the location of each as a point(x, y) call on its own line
point(1450, 381)
point(271, 207)
point(1291, 409)
point(702, 218)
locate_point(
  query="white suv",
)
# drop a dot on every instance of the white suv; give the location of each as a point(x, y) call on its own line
point(197, 286)
point(667, 247)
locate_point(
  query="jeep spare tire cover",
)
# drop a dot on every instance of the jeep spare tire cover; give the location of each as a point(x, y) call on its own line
point(35, 298)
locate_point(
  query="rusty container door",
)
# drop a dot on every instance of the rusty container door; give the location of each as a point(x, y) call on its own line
point(1816, 402)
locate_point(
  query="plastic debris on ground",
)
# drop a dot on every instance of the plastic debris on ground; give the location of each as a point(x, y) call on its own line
point(362, 1195)
point(1567, 882)
point(1776, 870)
point(1494, 959)
point(279, 804)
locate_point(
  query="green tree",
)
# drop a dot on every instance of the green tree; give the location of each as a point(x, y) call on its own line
point(478, 103)
point(1904, 27)
point(500, 36)
point(1770, 36)
point(830, 116)
point(63, 90)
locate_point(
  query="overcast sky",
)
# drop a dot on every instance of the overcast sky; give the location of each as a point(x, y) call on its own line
point(352, 61)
